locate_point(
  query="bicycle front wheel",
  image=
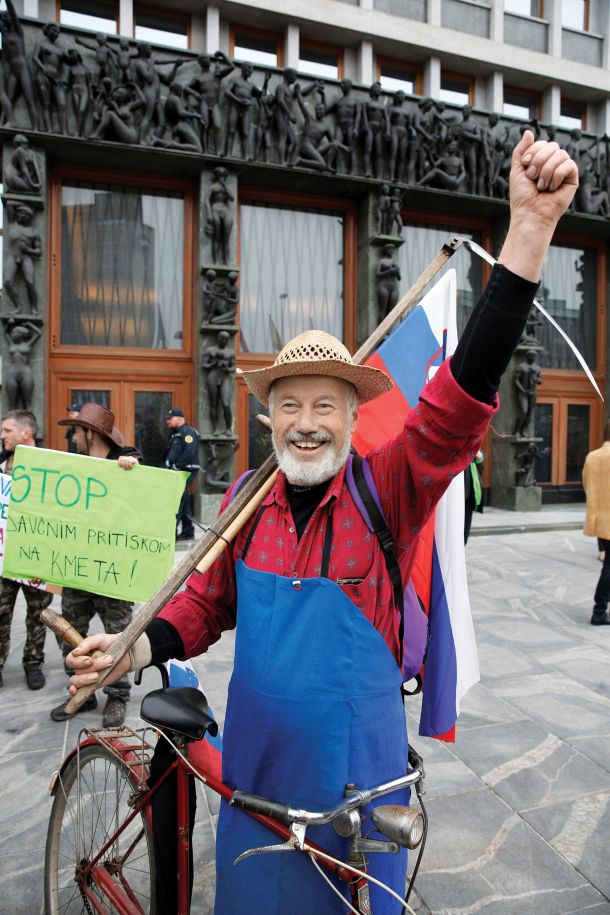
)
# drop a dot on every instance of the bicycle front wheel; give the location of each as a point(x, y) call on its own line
point(92, 801)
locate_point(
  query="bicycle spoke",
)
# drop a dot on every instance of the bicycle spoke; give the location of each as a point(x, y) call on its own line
point(91, 804)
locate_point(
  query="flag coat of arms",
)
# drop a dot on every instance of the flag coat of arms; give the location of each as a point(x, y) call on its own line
point(411, 354)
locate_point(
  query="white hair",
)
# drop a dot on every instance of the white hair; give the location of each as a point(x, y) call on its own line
point(331, 462)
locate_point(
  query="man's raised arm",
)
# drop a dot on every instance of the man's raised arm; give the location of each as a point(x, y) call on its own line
point(543, 181)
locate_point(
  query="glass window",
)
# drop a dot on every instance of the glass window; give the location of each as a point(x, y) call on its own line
point(455, 89)
point(572, 115)
point(87, 395)
point(122, 266)
point(544, 430)
point(150, 430)
point(320, 62)
point(291, 276)
point(96, 15)
point(393, 78)
point(159, 27)
point(575, 14)
point(422, 244)
point(523, 7)
point(257, 49)
point(520, 104)
point(568, 291)
point(577, 444)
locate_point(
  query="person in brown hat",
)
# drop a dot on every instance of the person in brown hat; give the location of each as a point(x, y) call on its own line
point(315, 699)
point(96, 435)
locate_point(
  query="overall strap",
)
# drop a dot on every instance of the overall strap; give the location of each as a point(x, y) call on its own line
point(251, 532)
point(368, 498)
point(328, 539)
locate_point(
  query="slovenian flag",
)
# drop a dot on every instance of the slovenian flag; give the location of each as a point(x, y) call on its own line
point(411, 355)
point(205, 754)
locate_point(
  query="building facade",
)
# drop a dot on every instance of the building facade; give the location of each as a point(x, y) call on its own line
point(184, 190)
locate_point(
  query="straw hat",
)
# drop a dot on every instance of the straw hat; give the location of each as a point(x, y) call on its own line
point(317, 353)
point(99, 419)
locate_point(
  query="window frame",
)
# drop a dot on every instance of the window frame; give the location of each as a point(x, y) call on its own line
point(460, 77)
point(574, 380)
point(236, 29)
point(305, 43)
point(582, 106)
point(62, 174)
point(563, 387)
point(538, 15)
point(246, 361)
point(397, 64)
point(169, 13)
point(586, 18)
point(117, 7)
point(519, 90)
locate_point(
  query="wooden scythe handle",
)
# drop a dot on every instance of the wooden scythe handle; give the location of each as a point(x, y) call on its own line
point(227, 525)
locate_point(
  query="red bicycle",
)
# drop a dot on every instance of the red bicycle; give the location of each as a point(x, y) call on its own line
point(99, 853)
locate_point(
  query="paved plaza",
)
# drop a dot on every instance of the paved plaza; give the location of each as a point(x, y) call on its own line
point(519, 806)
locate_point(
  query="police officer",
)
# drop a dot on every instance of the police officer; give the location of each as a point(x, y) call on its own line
point(183, 454)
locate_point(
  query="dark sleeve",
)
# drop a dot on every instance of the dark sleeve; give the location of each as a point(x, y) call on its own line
point(176, 448)
point(118, 451)
point(492, 334)
point(165, 641)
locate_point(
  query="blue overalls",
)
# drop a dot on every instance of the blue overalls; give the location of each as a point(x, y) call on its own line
point(314, 704)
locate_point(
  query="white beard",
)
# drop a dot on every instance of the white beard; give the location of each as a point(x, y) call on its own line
point(310, 473)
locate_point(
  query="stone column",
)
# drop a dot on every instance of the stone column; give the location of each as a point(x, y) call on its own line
point(515, 445)
point(217, 300)
point(212, 29)
point(126, 17)
point(365, 73)
point(377, 241)
point(292, 40)
point(23, 313)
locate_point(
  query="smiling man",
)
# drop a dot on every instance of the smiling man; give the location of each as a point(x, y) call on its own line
point(314, 701)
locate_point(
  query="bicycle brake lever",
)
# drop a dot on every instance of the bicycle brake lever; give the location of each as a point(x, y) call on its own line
point(295, 841)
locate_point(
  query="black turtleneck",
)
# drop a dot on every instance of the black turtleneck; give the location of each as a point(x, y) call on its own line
point(303, 502)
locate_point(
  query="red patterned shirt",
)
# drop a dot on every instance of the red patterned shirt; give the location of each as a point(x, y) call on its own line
point(440, 438)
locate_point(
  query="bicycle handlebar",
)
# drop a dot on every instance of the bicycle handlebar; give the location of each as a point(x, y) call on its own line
point(257, 804)
point(286, 814)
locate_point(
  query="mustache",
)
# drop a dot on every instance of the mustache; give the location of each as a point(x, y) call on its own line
point(307, 437)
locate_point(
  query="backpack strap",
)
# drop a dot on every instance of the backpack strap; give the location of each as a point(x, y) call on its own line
point(362, 487)
point(236, 487)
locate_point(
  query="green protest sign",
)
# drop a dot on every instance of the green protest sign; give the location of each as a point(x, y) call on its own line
point(86, 523)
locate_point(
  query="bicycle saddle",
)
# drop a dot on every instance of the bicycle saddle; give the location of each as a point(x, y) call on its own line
point(182, 709)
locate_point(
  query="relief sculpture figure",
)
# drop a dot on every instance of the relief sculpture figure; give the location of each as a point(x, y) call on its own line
point(24, 248)
point(51, 80)
point(219, 216)
point(19, 380)
point(526, 380)
point(17, 72)
point(21, 172)
point(205, 89)
point(219, 363)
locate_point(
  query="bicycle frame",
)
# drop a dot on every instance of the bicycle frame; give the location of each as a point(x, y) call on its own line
point(133, 750)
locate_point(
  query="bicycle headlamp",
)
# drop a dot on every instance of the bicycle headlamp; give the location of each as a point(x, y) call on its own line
point(403, 825)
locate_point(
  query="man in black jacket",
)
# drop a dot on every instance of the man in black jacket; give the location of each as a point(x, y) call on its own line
point(183, 454)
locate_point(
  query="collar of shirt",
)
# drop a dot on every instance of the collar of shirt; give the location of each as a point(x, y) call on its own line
point(279, 494)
